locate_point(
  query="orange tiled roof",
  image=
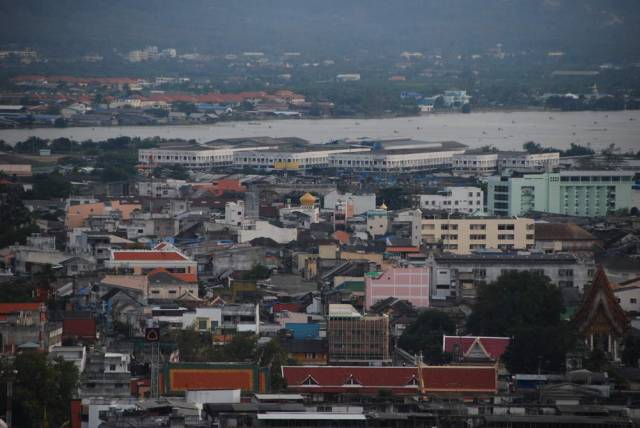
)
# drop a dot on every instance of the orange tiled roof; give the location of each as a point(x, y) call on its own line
point(402, 249)
point(8, 308)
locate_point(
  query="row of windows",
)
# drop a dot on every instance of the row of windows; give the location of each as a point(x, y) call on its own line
point(594, 178)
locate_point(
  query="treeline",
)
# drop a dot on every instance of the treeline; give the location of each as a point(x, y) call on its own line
point(574, 150)
point(114, 159)
point(59, 146)
point(605, 103)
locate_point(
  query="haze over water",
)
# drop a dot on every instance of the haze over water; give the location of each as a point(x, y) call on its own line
point(506, 131)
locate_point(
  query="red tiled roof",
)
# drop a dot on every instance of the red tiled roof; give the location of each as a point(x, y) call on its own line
point(147, 255)
point(460, 378)
point(343, 379)
point(342, 236)
point(9, 308)
point(80, 328)
point(84, 80)
point(494, 346)
point(291, 307)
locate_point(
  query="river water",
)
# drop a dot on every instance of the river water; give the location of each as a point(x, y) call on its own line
point(504, 130)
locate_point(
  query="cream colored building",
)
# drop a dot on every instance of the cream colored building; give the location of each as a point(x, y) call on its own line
point(462, 236)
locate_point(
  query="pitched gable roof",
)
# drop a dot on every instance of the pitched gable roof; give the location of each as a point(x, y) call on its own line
point(562, 232)
point(162, 276)
point(400, 380)
point(600, 309)
point(475, 347)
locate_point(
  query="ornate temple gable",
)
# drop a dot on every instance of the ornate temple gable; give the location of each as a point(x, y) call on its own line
point(477, 352)
point(600, 313)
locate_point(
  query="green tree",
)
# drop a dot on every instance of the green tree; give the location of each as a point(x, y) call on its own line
point(528, 308)
point(425, 335)
point(48, 186)
point(178, 172)
point(15, 218)
point(41, 387)
point(631, 351)
point(17, 291)
point(31, 145)
point(241, 348)
point(578, 150)
point(274, 356)
point(258, 272)
point(63, 145)
point(393, 197)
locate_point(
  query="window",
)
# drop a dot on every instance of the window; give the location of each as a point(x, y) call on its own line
point(202, 324)
point(633, 300)
point(112, 367)
point(480, 273)
point(505, 227)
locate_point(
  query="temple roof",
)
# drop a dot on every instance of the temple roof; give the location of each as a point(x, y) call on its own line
point(600, 311)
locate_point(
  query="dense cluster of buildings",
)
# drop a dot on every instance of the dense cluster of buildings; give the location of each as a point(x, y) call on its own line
point(40, 100)
point(282, 241)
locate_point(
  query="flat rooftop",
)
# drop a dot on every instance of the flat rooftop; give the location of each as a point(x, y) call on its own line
point(522, 257)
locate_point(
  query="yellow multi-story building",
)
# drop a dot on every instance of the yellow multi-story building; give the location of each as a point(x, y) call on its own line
point(462, 236)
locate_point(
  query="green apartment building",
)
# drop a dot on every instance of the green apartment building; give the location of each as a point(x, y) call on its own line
point(577, 193)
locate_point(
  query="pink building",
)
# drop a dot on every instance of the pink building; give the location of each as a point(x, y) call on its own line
point(410, 284)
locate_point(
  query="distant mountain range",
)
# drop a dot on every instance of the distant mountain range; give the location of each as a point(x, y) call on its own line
point(607, 29)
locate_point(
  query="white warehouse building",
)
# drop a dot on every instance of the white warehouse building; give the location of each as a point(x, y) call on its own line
point(191, 156)
point(298, 159)
point(489, 162)
point(399, 156)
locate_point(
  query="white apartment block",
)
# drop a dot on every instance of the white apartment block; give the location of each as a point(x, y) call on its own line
point(460, 276)
point(234, 213)
point(462, 236)
point(454, 199)
point(349, 203)
point(160, 189)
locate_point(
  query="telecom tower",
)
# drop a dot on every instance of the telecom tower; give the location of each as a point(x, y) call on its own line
point(152, 336)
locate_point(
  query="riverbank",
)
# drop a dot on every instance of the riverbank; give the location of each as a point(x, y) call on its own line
point(504, 130)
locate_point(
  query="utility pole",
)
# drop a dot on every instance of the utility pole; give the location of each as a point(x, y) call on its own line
point(9, 411)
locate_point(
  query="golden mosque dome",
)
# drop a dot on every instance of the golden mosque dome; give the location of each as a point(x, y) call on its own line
point(307, 199)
